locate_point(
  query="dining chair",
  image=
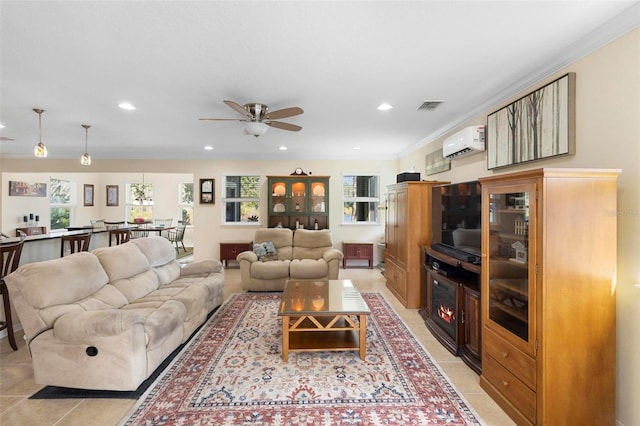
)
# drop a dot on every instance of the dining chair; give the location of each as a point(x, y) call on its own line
point(114, 225)
point(138, 229)
point(162, 222)
point(97, 223)
point(10, 256)
point(121, 235)
point(177, 235)
point(76, 243)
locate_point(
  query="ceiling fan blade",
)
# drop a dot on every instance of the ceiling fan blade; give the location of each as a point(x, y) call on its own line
point(284, 113)
point(238, 108)
point(283, 126)
point(222, 119)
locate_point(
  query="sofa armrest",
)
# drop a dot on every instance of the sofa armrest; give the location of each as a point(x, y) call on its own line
point(201, 267)
point(332, 254)
point(249, 256)
point(78, 326)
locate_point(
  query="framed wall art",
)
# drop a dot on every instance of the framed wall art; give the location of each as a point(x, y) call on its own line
point(27, 189)
point(435, 162)
point(538, 125)
point(207, 191)
point(88, 195)
point(112, 195)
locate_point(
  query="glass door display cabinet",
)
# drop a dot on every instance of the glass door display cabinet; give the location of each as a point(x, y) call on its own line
point(548, 295)
point(509, 269)
point(298, 202)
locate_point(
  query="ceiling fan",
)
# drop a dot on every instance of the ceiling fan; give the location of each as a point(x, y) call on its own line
point(259, 118)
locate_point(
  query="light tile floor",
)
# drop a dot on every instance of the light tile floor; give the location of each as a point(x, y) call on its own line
point(17, 381)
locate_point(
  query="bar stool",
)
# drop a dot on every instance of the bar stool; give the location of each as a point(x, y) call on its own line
point(10, 256)
point(77, 243)
point(121, 235)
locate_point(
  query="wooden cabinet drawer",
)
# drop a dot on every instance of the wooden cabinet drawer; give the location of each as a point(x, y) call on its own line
point(512, 389)
point(514, 360)
point(396, 280)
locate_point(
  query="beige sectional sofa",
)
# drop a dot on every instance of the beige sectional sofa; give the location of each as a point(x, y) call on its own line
point(106, 319)
point(303, 254)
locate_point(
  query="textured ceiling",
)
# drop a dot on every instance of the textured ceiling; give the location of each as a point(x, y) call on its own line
point(176, 61)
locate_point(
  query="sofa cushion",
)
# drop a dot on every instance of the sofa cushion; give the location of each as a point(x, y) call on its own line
point(122, 261)
point(308, 269)
point(282, 239)
point(308, 244)
point(158, 250)
point(272, 270)
point(68, 280)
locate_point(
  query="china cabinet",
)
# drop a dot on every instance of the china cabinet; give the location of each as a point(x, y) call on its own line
point(298, 201)
point(408, 227)
point(548, 295)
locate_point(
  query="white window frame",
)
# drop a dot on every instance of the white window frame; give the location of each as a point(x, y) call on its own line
point(129, 203)
point(345, 199)
point(71, 205)
point(225, 200)
point(182, 205)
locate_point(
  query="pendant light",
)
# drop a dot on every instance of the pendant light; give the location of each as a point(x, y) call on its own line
point(40, 150)
point(85, 159)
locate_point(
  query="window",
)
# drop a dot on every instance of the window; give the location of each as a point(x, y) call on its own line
point(361, 199)
point(60, 203)
point(139, 201)
point(241, 199)
point(185, 202)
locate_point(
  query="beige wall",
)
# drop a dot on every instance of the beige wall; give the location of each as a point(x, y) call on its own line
point(607, 136)
point(209, 231)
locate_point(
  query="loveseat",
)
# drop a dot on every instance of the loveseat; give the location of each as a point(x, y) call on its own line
point(280, 254)
point(106, 319)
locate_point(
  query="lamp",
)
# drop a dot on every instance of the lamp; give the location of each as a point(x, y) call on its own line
point(85, 159)
point(40, 150)
point(257, 128)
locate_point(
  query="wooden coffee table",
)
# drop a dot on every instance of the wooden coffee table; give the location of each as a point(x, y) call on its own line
point(323, 315)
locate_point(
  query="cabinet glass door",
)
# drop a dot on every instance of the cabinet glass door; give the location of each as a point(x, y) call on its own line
point(509, 272)
point(278, 197)
point(318, 194)
point(298, 197)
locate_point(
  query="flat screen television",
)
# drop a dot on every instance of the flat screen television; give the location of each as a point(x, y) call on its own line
point(456, 220)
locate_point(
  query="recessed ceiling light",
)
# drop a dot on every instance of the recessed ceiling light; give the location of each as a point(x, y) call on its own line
point(356, 147)
point(208, 148)
point(384, 107)
point(283, 148)
point(127, 106)
point(1, 126)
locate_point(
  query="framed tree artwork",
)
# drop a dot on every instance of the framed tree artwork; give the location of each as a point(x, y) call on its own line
point(207, 191)
point(88, 195)
point(112, 195)
point(536, 126)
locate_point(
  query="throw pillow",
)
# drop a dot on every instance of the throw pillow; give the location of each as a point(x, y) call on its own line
point(265, 251)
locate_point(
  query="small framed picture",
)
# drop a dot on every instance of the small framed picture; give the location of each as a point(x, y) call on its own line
point(88, 195)
point(207, 191)
point(112, 195)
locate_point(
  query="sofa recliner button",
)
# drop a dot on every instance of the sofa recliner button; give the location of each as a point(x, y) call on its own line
point(92, 351)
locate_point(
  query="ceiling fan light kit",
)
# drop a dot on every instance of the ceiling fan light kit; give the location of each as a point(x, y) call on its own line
point(40, 150)
point(257, 128)
point(259, 119)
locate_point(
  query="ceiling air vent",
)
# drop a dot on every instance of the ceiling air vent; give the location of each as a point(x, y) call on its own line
point(429, 105)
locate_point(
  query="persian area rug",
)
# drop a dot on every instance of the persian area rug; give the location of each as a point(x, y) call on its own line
point(232, 373)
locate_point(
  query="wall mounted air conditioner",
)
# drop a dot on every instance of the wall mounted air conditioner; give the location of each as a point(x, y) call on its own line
point(466, 142)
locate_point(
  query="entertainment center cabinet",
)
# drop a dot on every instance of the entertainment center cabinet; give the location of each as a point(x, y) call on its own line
point(548, 295)
point(451, 304)
point(407, 229)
